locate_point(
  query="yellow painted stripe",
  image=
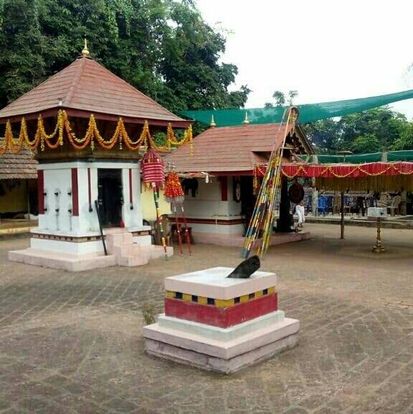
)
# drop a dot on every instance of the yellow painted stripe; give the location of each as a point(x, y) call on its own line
point(224, 303)
point(221, 303)
point(202, 300)
point(187, 297)
point(244, 299)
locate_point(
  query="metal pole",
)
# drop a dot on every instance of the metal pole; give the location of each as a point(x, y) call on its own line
point(342, 215)
point(28, 202)
point(100, 227)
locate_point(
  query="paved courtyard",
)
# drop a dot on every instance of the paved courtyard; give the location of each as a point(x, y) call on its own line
point(72, 342)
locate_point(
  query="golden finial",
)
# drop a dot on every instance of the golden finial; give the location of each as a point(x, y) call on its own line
point(246, 120)
point(85, 51)
point(212, 124)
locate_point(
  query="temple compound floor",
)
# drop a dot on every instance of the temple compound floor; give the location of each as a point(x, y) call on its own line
point(72, 342)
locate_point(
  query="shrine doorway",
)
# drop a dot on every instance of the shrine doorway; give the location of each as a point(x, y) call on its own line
point(110, 197)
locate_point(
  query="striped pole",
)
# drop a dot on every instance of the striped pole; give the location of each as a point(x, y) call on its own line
point(262, 218)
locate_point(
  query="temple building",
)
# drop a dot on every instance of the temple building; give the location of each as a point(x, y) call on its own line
point(222, 174)
point(88, 129)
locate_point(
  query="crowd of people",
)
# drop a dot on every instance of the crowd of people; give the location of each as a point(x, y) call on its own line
point(355, 204)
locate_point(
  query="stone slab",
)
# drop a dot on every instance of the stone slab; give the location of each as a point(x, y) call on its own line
point(211, 363)
point(213, 283)
point(54, 260)
point(220, 334)
point(222, 349)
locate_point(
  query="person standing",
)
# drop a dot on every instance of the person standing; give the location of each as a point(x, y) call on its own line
point(300, 211)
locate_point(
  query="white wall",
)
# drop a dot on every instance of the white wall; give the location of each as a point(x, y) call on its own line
point(208, 204)
point(57, 177)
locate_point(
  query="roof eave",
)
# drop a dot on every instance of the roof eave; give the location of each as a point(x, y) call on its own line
point(81, 113)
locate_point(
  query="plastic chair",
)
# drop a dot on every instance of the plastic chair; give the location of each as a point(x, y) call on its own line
point(322, 205)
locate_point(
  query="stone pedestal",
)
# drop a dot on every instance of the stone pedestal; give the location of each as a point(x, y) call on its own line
point(220, 324)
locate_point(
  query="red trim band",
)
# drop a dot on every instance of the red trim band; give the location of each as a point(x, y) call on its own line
point(221, 317)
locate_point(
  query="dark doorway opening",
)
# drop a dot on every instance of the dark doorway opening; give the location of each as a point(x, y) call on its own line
point(110, 197)
point(248, 198)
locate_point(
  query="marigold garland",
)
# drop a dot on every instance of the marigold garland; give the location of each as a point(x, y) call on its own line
point(92, 135)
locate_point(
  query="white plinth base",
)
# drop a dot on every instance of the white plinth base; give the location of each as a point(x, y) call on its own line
point(79, 263)
point(226, 356)
point(66, 261)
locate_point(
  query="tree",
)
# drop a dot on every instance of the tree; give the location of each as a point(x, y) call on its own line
point(365, 144)
point(375, 130)
point(291, 96)
point(323, 134)
point(193, 76)
point(21, 62)
point(383, 123)
point(162, 47)
point(405, 140)
point(279, 98)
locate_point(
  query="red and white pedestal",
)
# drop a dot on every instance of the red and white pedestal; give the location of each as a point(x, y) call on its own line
point(220, 324)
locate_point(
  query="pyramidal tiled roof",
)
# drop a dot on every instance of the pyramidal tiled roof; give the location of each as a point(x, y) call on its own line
point(87, 86)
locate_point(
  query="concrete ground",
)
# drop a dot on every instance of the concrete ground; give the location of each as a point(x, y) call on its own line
point(72, 342)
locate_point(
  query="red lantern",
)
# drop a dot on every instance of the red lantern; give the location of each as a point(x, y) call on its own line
point(152, 169)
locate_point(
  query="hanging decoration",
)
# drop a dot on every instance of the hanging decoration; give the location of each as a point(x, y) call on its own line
point(173, 189)
point(152, 170)
point(153, 178)
point(92, 137)
point(377, 176)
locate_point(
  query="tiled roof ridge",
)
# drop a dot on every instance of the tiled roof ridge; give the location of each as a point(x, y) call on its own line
point(75, 81)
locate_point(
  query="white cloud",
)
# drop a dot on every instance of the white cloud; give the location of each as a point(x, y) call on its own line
point(326, 49)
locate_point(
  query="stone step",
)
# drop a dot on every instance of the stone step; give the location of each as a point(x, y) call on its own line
point(131, 261)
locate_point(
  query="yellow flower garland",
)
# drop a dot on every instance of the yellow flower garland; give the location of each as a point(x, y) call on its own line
point(42, 139)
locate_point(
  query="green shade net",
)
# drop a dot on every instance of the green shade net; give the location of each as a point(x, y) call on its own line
point(308, 113)
point(390, 156)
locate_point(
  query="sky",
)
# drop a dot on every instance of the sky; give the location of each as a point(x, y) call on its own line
point(327, 50)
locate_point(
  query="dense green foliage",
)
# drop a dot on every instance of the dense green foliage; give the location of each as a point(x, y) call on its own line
point(371, 131)
point(162, 47)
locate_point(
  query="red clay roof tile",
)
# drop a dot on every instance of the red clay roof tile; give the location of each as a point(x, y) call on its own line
point(87, 86)
point(228, 149)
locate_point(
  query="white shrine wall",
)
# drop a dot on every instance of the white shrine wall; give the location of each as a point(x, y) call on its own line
point(208, 214)
point(60, 229)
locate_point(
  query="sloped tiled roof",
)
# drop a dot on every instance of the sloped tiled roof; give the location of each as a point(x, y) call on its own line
point(86, 85)
point(18, 166)
point(228, 149)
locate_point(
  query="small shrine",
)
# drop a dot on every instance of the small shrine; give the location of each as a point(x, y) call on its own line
point(88, 129)
point(222, 172)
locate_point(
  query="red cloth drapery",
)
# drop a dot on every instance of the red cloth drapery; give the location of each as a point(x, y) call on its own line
point(374, 169)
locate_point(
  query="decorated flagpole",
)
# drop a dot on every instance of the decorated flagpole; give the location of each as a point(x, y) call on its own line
point(262, 218)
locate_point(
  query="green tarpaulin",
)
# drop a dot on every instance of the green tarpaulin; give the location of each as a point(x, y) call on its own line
point(308, 113)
